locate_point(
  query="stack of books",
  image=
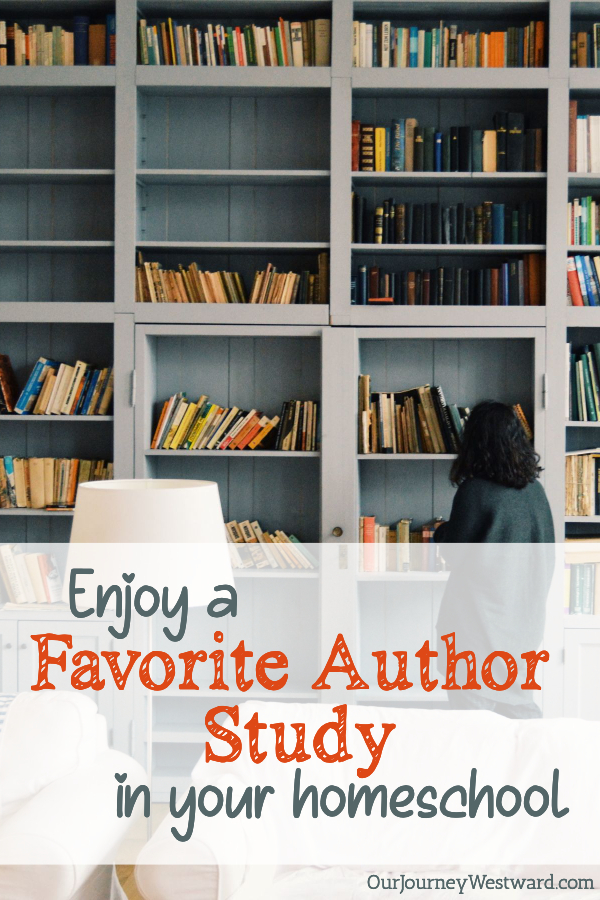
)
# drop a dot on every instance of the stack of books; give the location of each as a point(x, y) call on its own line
point(59, 389)
point(447, 46)
point(583, 221)
point(433, 223)
point(585, 48)
point(582, 576)
point(583, 366)
point(184, 425)
point(582, 495)
point(404, 146)
point(167, 43)
point(192, 285)
point(29, 579)
point(417, 420)
point(583, 280)
point(584, 141)
point(46, 482)
point(41, 45)
point(387, 549)
point(266, 550)
point(515, 282)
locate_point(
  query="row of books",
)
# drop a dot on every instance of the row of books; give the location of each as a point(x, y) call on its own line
point(412, 421)
point(447, 46)
point(583, 221)
point(433, 223)
point(59, 389)
point(583, 280)
point(585, 48)
point(582, 484)
point(584, 141)
point(253, 548)
point(47, 482)
point(192, 285)
point(583, 366)
point(183, 425)
point(516, 282)
point(404, 146)
point(385, 548)
point(299, 44)
point(41, 45)
point(29, 579)
point(582, 576)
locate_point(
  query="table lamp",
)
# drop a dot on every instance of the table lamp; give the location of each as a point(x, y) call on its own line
point(158, 528)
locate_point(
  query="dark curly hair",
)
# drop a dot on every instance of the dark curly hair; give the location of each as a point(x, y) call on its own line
point(495, 447)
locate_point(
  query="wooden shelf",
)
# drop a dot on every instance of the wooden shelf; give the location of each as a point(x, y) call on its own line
point(232, 80)
point(14, 417)
point(36, 512)
point(240, 454)
point(56, 176)
point(232, 176)
point(448, 81)
point(232, 313)
point(444, 316)
point(56, 246)
point(45, 79)
point(56, 312)
point(450, 179)
point(234, 246)
point(421, 457)
point(450, 249)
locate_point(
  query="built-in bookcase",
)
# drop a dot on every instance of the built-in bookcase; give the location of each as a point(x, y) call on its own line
point(235, 368)
point(233, 168)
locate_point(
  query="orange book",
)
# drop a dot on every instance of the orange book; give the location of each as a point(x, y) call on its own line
point(540, 44)
point(494, 280)
point(574, 286)
point(286, 61)
point(72, 488)
point(258, 426)
point(369, 539)
point(159, 426)
point(257, 441)
point(234, 445)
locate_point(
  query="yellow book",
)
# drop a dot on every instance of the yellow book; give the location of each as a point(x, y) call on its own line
point(183, 428)
point(177, 419)
point(380, 149)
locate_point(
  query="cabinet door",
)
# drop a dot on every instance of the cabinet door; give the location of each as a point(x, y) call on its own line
point(92, 637)
point(8, 657)
point(582, 673)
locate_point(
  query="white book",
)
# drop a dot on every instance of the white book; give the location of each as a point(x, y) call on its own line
point(385, 44)
point(10, 574)
point(63, 387)
point(362, 45)
point(55, 389)
point(78, 373)
point(369, 54)
point(32, 561)
point(20, 562)
point(421, 49)
point(355, 45)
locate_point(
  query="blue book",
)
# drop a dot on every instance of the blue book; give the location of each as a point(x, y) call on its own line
point(438, 142)
point(413, 48)
point(111, 37)
point(505, 284)
point(388, 150)
point(588, 282)
point(81, 28)
point(82, 395)
point(9, 471)
point(353, 282)
point(593, 280)
point(582, 281)
point(31, 391)
point(362, 286)
point(396, 165)
point(90, 392)
point(498, 223)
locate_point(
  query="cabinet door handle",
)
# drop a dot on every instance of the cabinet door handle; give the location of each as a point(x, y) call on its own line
point(337, 531)
point(23, 647)
point(8, 646)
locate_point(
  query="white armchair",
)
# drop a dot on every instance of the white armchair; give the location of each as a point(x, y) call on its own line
point(58, 823)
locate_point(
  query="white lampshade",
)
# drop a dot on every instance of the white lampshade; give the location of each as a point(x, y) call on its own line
point(168, 531)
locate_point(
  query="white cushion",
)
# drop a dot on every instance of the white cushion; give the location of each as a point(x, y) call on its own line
point(46, 736)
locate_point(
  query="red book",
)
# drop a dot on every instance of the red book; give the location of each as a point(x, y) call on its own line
point(572, 135)
point(369, 541)
point(573, 282)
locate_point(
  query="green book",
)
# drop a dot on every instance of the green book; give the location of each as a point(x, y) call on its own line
point(428, 149)
point(587, 386)
point(427, 53)
point(231, 47)
point(280, 59)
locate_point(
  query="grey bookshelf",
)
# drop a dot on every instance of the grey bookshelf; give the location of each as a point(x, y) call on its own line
point(239, 167)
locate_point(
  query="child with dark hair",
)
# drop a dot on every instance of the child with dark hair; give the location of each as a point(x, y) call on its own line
point(496, 598)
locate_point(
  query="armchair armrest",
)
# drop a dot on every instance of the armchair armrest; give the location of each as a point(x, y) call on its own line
point(71, 825)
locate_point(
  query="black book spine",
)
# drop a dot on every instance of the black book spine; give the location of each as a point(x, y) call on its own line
point(436, 223)
point(465, 148)
point(386, 222)
point(515, 143)
point(513, 283)
point(427, 230)
point(419, 151)
point(453, 225)
point(454, 149)
point(461, 226)
point(501, 125)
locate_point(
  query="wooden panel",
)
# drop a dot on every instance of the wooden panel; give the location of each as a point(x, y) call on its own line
point(234, 132)
point(70, 212)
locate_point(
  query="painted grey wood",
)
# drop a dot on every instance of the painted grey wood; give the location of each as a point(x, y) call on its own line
point(259, 315)
point(451, 316)
point(49, 78)
point(56, 176)
point(447, 80)
point(57, 311)
point(181, 79)
point(447, 249)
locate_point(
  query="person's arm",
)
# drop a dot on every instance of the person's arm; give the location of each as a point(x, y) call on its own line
point(465, 523)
